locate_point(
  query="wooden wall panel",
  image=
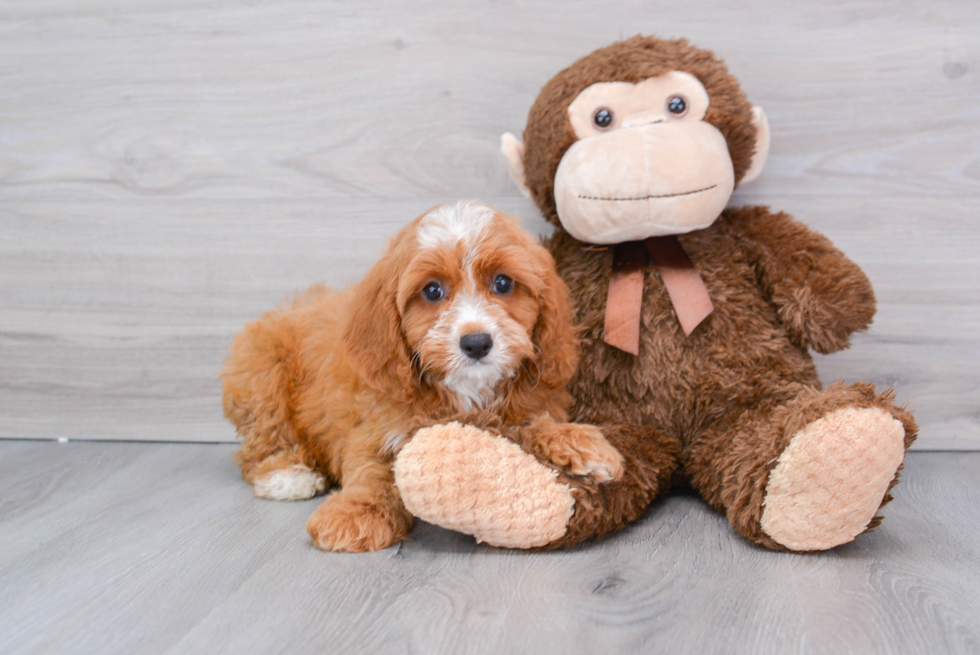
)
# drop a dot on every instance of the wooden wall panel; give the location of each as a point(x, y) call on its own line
point(169, 169)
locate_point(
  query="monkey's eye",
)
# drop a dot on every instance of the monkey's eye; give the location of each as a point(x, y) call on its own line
point(602, 118)
point(677, 106)
point(503, 284)
point(433, 291)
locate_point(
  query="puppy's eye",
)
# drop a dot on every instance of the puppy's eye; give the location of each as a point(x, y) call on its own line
point(503, 284)
point(677, 106)
point(433, 291)
point(602, 118)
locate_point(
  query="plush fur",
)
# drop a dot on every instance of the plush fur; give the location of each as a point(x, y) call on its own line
point(435, 479)
point(720, 407)
point(735, 391)
point(326, 390)
point(549, 134)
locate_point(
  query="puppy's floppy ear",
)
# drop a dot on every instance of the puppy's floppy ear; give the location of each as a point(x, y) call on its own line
point(373, 341)
point(554, 333)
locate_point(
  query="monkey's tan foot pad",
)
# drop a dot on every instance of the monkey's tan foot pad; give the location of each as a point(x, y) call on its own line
point(832, 478)
point(464, 479)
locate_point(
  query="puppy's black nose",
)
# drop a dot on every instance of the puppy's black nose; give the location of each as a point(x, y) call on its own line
point(476, 344)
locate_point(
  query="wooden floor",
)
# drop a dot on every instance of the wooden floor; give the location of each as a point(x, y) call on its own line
point(161, 548)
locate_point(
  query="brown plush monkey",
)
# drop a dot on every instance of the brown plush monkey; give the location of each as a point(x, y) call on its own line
point(696, 324)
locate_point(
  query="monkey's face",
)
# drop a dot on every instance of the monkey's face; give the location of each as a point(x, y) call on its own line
point(645, 137)
point(645, 162)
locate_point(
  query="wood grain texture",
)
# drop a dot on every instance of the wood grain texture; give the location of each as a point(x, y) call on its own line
point(169, 169)
point(116, 328)
point(161, 548)
point(329, 99)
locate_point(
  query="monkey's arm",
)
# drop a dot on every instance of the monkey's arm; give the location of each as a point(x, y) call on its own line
point(821, 295)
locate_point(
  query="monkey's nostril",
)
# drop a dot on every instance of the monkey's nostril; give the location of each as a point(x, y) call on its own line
point(476, 345)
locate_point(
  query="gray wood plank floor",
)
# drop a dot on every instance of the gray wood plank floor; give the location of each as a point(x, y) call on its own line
point(171, 168)
point(161, 548)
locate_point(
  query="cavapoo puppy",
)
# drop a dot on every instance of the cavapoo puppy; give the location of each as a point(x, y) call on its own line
point(464, 318)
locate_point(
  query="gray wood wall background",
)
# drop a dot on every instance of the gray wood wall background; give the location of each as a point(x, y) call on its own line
point(171, 168)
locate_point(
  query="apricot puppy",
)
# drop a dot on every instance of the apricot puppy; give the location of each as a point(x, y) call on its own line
point(463, 319)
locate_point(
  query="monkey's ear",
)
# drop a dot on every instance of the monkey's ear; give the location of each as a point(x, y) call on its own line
point(514, 154)
point(761, 145)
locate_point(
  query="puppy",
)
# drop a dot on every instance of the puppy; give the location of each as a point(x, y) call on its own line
point(464, 318)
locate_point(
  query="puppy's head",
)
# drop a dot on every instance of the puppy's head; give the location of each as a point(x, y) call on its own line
point(466, 301)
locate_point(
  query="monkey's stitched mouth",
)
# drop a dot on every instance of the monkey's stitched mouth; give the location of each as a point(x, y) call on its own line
point(666, 195)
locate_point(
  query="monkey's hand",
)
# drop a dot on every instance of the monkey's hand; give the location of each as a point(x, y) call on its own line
point(822, 297)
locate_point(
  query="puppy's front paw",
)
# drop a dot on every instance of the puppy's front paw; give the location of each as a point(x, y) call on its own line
point(352, 524)
point(584, 451)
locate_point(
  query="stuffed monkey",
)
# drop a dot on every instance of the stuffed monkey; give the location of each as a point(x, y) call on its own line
point(696, 322)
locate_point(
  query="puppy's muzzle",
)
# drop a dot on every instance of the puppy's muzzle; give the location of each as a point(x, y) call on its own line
point(476, 345)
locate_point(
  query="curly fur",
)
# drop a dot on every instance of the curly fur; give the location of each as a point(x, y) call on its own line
point(333, 383)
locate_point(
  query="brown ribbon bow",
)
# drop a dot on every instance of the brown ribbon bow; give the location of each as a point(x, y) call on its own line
point(682, 280)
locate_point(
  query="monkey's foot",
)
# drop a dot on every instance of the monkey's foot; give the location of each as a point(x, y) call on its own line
point(464, 479)
point(832, 477)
